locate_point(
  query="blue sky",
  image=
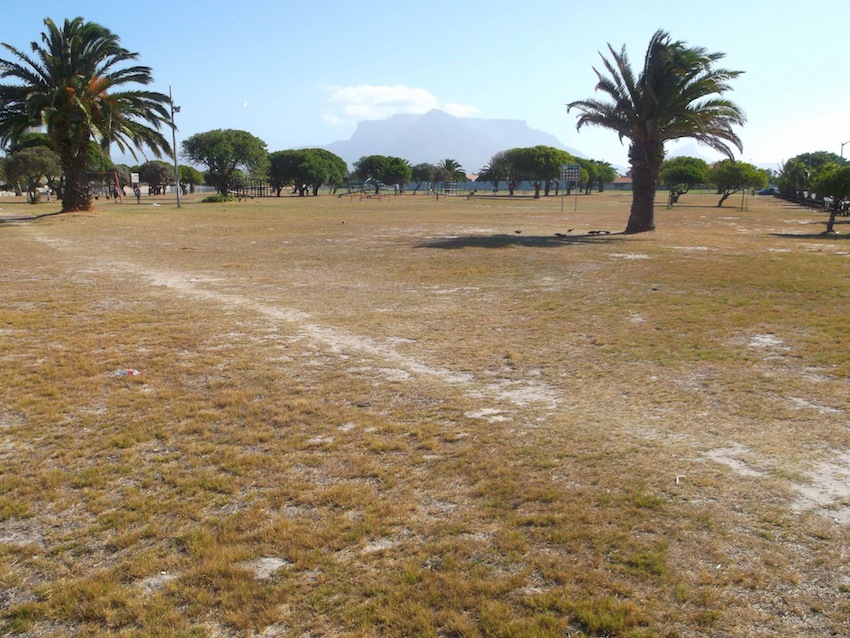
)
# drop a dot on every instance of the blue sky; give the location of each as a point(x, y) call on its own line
point(304, 73)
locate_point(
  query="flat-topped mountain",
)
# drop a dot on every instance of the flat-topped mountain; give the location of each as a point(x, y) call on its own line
point(437, 135)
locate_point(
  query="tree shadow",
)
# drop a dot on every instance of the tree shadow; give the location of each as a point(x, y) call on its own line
point(506, 241)
point(811, 236)
point(820, 235)
point(27, 218)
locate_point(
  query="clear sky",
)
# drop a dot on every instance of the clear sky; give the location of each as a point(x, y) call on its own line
point(304, 73)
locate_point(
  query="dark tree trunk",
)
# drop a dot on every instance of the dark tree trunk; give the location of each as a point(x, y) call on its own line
point(76, 195)
point(223, 184)
point(830, 225)
point(645, 159)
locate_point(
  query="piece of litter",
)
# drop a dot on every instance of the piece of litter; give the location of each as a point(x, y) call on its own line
point(129, 372)
point(679, 478)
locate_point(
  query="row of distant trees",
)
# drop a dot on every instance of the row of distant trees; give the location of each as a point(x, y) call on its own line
point(230, 155)
point(681, 174)
point(820, 176)
point(84, 101)
point(31, 164)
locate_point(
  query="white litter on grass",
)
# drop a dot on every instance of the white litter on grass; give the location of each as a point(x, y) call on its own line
point(127, 372)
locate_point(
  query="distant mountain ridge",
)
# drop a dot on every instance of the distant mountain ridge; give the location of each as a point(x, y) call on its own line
point(437, 135)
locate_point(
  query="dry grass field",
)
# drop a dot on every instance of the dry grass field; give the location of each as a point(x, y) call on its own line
point(407, 418)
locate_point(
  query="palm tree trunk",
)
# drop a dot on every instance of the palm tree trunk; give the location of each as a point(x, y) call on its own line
point(75, 194)
point(645, 158)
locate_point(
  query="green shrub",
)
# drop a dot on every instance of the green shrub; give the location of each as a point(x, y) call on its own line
point(217, 199)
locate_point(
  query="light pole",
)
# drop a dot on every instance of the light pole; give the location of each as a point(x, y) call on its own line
point(174, 109)
point(843, 144)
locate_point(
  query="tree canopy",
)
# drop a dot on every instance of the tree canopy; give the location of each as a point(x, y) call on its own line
point(156, 174)
point(30, 139)
point(798, 174)
point(495, 171)
point(386, 169)
point(540, 165)
point(30, 166)
point(731, 177)
point(833, 181)
point(424, 172)
point(599, 172)
point(306, 170)
point(224, 151)
point(450, 171)
point(681, 174)
point(675, 95)
point(72, 84)
point(191, 176)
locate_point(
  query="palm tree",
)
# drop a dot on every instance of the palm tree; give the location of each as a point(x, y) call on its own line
point(68, 85)
point(451, 170)
point(676, 95)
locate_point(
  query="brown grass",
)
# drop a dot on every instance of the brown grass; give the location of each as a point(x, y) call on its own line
point(429, 424)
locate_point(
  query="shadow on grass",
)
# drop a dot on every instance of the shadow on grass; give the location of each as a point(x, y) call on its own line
point(811, 236)
point(505, 241)
point(820, 235)
point(27, 218)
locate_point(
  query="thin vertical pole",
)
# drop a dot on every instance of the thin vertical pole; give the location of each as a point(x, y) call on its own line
point(174, 148)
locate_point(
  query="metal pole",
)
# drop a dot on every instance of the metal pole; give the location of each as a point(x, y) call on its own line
point(562, 196)
point(174, 109)
point(843, 144)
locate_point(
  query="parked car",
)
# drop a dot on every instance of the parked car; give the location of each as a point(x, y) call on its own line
point(768, 191)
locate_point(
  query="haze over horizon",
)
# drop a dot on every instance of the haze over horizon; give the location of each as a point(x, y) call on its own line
point(296, 76)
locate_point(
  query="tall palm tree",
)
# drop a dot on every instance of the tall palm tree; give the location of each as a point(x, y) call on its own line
point(451, 170)
point(72, 84)
point(676, 95)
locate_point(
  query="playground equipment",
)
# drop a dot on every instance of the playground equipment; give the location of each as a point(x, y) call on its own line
point(369, 189)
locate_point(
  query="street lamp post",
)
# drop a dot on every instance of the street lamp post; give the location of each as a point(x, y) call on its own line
point(843, 144)
point(174, 109)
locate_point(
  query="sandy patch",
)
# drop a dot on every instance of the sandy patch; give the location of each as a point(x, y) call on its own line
point(828, 491)
point(265, 568)
point(730, 457)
